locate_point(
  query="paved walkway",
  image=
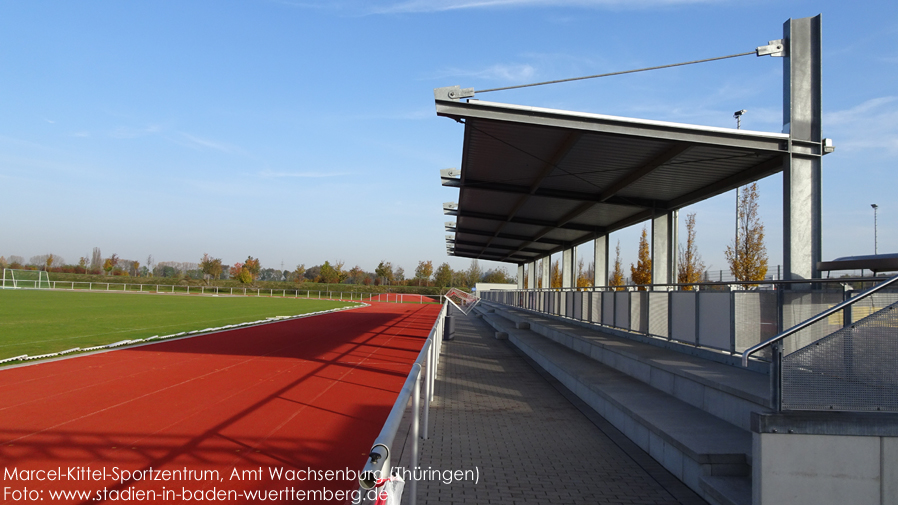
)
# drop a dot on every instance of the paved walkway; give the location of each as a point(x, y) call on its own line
point(528, 438)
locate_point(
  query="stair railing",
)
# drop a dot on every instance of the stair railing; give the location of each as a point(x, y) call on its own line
point(776, 343)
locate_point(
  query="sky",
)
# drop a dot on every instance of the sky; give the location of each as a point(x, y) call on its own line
point(305, 131)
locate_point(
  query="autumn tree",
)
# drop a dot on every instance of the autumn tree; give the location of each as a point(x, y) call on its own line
point(241, 273)
point(443, 276)
point(617, 273)
point(328, 273)
point(96, 259)
point(641, 272)
point(459, 278)
point(342, 274)
point(473, 274)
point(399, 274)
point(555, 275)
point(747, 256)
point(584, 279)
point(357, 275)
point(252, 266)
point(210, 266)
point(690, 267)
point(110, 263)
point(384, 271)
point(424, 271)
point(135, 268)
point(299, 274)
point(82, 263)
point(498, 276)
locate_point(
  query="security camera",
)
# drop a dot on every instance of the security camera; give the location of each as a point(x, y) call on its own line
point(739, 113)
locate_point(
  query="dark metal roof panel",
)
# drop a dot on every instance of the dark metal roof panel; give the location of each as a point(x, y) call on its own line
point(531, 174)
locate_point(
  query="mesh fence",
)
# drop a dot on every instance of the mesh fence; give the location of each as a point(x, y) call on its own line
point(853, 369)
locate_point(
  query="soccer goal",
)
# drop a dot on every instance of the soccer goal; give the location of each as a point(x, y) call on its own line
point(464, 302)
point(29, 279)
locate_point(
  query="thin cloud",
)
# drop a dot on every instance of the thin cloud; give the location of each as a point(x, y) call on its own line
point(268, 174)
point(209, 144)
point(419, 6)
point(498, 72)
point(869, 126)
point(358, 7)
point(125, 132)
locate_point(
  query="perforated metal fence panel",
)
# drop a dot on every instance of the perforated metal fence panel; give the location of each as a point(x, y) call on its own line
point(608, 308)
point(682, 316)
point(639, 311)
point(622, 309)
point(756, 315)
point(854, 369)
point(658, 313)
point(799, 306)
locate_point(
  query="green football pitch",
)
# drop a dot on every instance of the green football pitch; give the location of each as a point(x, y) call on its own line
point(37, 322)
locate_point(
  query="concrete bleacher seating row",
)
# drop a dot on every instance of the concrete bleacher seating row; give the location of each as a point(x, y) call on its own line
point(691, 414)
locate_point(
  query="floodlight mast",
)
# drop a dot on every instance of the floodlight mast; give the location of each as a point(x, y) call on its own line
point(738, 116)
point(875, 235)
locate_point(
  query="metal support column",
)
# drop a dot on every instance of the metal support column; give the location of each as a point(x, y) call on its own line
point(568, 274)
point(568, 268)
point(664, 248)
point(546, 272)
point(600, 275)
point(801, 176)
point(521, 277)
point(531, 275)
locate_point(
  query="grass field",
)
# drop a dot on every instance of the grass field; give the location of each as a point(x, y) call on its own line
point(38, 322)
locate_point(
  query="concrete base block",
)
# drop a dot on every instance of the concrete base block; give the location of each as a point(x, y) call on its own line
point(522, 325)
point(501, 335)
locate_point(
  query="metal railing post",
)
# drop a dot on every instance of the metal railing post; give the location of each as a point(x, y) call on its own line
point(427, 391)
point(776, 377)
point(416, 404)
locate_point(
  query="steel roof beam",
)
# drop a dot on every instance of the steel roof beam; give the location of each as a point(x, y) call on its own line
point(507, 236)
point(561, 194)
point(531, 222)
point(487, 247)
point(480, 254)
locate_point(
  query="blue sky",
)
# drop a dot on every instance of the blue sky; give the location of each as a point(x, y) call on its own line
point(305, 131)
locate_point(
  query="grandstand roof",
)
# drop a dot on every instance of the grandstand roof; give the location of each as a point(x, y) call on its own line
point(535, 181)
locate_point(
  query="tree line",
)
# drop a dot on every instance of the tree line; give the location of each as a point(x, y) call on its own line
point(746, 256)
point(250, 271)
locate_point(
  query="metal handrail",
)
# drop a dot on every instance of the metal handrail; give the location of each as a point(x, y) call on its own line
point(380, 454)
point(823, 315)
point(651, 287)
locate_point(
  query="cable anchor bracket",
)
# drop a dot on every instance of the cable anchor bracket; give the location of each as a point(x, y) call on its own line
point(773, 48)
point(454, 93)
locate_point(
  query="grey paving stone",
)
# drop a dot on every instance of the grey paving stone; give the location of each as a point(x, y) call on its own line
point(494, 412)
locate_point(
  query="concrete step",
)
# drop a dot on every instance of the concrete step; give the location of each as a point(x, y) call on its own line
point(691, 443)
point(728, 490)
point(728, 392)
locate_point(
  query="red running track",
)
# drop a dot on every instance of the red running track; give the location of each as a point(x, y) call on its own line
point(310, 393)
